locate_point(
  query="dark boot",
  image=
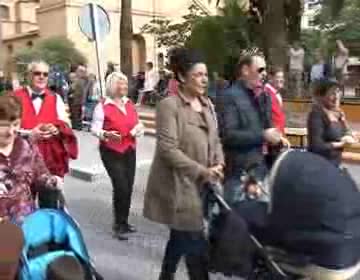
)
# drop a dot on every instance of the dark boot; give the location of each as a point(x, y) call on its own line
point(197, 267)
point(167, 276)
point(119, 232)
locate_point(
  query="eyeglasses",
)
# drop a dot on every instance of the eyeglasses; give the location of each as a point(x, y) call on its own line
point(39, 73)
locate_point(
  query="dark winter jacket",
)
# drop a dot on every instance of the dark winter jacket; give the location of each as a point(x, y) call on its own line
point(245, 117)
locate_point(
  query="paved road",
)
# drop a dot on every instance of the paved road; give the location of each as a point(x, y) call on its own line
point(90, 204)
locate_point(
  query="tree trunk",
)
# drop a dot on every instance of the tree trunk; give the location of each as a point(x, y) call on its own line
point(294, 11)
point(126, 33)
point(274, 33)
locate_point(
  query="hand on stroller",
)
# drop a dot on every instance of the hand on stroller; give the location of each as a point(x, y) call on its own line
point(214, 174)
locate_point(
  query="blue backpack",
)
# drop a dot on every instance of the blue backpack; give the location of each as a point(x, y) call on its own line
point(48, 226)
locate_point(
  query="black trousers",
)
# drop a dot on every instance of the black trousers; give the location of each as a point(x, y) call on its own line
point(121, 170)
point(192, 246)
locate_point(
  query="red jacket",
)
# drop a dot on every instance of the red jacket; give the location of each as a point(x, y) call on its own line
point(277, 113)
point(57, 150)
point(116, 120)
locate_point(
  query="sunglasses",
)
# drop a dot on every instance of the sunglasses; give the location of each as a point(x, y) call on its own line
point(260, 70)
point(38, 74)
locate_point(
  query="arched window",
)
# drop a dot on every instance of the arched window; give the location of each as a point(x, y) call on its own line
point(4, 12)
point(29, 44)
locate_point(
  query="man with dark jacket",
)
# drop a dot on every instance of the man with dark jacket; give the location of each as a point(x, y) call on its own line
point(247, 121)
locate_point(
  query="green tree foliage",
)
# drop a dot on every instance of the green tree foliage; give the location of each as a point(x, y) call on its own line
point(173, 34)
point(222, 38)
point(339, 19)
point(209, 37)
point(54, 50)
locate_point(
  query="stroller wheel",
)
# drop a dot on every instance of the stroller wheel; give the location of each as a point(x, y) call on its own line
point(261, 271)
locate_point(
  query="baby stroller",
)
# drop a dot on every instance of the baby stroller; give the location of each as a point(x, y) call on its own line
point(258, 258)
point(49, 234)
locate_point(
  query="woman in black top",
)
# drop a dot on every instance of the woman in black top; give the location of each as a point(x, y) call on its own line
point(328, 130)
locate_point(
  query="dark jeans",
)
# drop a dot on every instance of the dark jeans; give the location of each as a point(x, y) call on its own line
point(191, 245)
point(76, 115)
point(121, 170)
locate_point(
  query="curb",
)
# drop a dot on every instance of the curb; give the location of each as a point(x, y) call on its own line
point(86, 174)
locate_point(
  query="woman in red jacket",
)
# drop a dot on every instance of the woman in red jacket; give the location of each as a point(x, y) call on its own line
point(116, 124)
point(274, 88)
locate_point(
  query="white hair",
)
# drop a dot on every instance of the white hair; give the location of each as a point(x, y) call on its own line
point(32, 65)
point(112, 79)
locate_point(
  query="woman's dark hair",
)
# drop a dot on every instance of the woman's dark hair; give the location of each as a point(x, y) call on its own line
point(322, 87)
point(181, 61)
point(274, 70)
point(65, 268)
point(10, 108)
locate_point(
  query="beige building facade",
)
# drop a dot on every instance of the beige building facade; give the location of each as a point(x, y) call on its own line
point(23, 22)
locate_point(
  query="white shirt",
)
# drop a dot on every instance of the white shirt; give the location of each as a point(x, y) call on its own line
point(317, 72)
point(297, 59)
point(341, 62)
point(99, 117)
point(151, 80)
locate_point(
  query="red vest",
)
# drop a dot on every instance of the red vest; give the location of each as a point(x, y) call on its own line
point(47, 113)
point(277, 113)
point(116, 120)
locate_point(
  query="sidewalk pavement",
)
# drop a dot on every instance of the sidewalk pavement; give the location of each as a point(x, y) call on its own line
point(89, 166)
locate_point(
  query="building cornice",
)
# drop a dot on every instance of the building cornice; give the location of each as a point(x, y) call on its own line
point(21, 21)
point(61, 5)
point(21, 35)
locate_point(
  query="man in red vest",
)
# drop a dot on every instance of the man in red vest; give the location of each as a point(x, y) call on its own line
point(44, 120)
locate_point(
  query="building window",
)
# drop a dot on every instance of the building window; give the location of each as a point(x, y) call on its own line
point(10, 49)
point(4, 12)
point(30, 44)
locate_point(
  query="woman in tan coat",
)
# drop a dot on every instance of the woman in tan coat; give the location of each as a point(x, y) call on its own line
point(188, 156)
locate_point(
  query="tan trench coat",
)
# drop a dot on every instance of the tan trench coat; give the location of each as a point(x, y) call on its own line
point(187, 143)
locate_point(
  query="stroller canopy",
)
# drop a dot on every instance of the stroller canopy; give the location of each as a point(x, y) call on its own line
point(315, 210)
point(47, 226)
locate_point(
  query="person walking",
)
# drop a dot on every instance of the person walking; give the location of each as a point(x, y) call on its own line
point(188, 156)
point(341, 62)
point(296, 69)
point(44, 119)
point(247, 127)
point(151, 80)
point(116, 124)
point(81, 90)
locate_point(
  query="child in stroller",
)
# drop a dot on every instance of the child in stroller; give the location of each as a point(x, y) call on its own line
point(311, 228)
point(54, 248)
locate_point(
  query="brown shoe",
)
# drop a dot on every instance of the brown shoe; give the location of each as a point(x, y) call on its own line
point(11, 244)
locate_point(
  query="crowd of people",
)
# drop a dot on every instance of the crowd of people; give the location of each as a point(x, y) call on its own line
point(190, 158)
point(202, 142)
